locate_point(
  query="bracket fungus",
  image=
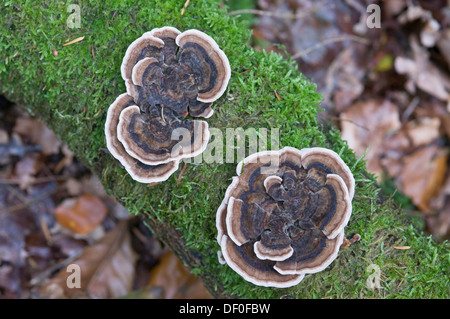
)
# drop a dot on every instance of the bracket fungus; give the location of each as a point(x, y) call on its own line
point(283, 215)
point(170, 76)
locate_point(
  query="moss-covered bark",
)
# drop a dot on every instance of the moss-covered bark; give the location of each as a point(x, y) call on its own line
point(72, 91)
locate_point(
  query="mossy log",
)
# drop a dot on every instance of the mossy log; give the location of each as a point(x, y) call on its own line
point(71, 87)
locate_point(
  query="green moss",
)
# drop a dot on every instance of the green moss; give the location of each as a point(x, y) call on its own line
point(73, 90)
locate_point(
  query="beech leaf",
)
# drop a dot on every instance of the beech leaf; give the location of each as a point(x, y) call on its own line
point(106, 269)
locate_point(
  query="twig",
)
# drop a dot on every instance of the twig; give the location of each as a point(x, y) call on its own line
point(347, 242)
point(74, 41)
point(328, 41)
point(17, 194)
point(46, 231)
point(356, 5)
point(152, 184)
point(36, 180)
point(180, 176)
point(185, 6)
point(93, 52)
point(123, 178)
point(29, 202)
point(45, 274)
point(410, 109)
point(140, 235)
point(337, 118)
point(162, 114)
point(277, 95)
point(398, 272)
point(283, 15)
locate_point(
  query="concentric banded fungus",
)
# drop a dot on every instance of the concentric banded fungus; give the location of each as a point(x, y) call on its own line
point(168, 76)
point(137, 170)
point(280, 222)
point(153, 142)
point(184, 71)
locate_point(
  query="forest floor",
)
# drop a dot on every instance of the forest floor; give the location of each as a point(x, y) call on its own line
point(386, 89)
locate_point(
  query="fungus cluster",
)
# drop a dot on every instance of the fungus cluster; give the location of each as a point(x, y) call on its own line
point(283, 215)
point(170, 76)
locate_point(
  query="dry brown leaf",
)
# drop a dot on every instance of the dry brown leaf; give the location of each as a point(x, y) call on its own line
point(439, 224)
point(81, 215)
point(73, 187)
point(4, 138)
point(344, 80)
point(401, 247)
point(444, 45)
point(106, 269)
point(435, 109)
point(12, 256)
point(174, 281)
point(67, 159)
point(394, 7)
point(92, 185)
point(422, 73)
point(430, 33)
point(368, 124)
point(406, 152)
point(395, 146)
point(26, 168)
point(423, 175)
point(423, 131)
point(444, 195)
point(38, 133)
point(414, 12)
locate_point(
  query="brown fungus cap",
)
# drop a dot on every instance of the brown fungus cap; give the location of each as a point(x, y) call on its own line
point(138, 171)
point(284, 215)
point(145, 46)
point(154, 140)
point(209, 63)
point(186, 71)
point(168, 75)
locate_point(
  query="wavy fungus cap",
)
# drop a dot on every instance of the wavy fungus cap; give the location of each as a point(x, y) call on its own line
point(168, 76)
point(284, 215)
point(152, 141)
point(138, 171)
point(185, 71)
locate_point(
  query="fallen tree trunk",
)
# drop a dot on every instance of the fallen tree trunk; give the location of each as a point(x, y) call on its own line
point(71, 87)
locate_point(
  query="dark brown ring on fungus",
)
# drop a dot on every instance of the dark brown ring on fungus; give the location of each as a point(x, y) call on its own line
point(219, 75)
point(284, 214)
point(141, 67)
point(242, 260)
point(168, 35)
point(186, 78)
point(153, 141)
point(307, 265)
point(137, 170)
point(263, 252)
point(144, 46)
point(310, 157)
point(146, 129)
